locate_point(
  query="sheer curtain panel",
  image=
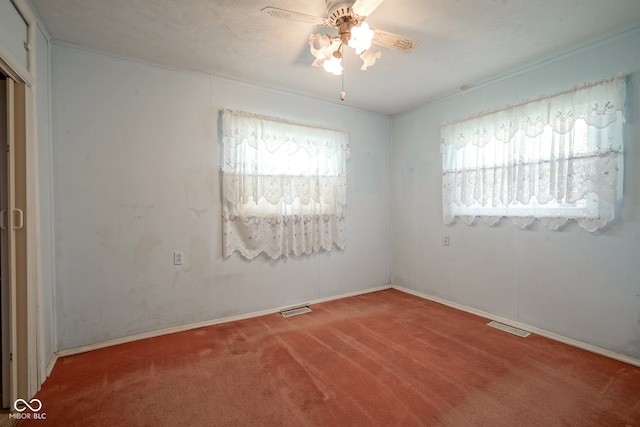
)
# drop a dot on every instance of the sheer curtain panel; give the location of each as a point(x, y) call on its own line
point(554, 159)
point(283, 186)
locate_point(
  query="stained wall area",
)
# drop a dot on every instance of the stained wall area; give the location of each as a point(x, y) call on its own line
point(136, 172)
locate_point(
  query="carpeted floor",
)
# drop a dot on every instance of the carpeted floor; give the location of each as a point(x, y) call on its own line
point(380, 359)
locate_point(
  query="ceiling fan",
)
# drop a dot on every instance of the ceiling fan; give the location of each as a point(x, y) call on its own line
point(348, 17)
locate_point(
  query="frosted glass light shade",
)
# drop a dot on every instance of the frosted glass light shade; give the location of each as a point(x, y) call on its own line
point(320, 46)
point(361, 37)
point(369, 58)
point(333, 65)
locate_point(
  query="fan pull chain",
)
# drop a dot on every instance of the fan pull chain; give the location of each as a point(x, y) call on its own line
point(343, 94)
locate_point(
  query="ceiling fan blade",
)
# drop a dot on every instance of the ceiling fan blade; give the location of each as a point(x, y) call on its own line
point(393, 41)
point(364, 8)
point(296, 16)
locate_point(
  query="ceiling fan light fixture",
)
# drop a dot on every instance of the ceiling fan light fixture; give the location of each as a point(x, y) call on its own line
point(348, 17)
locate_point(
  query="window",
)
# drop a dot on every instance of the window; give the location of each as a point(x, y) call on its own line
point(553, 159)
point(284, 186)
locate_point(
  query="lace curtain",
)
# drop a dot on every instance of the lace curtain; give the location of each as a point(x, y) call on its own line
point(553, 159)
point(283, 185)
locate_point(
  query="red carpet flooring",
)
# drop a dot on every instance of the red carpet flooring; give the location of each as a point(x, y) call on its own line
point(380, 359)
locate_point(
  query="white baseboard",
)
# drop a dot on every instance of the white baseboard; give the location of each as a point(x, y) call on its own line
point(50, 365)
point(174, 329)
point(160, 332)
point(543, 333)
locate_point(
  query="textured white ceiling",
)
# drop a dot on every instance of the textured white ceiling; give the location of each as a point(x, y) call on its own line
point(460, 42)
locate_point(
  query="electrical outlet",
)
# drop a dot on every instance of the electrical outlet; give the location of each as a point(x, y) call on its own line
point(178, 258)
point(445, 240)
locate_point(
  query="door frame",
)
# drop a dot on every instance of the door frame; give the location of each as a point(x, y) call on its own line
point(12, 67)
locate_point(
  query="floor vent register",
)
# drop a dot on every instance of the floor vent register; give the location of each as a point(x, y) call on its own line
point(295, 311)
point(510, 329)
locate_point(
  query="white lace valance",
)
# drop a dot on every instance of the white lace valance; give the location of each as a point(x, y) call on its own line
point(597, 104)
point(273, 134)
point(284, 185)
point(554, 159)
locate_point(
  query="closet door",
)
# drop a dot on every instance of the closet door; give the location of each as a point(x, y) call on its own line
point(5, 294)
point(13, 239)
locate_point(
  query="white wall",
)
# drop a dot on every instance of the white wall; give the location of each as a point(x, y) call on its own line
point(136, 161)
point(135, 165)
point(581, 285)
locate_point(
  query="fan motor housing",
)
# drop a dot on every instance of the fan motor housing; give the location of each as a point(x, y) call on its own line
point(338, 9)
